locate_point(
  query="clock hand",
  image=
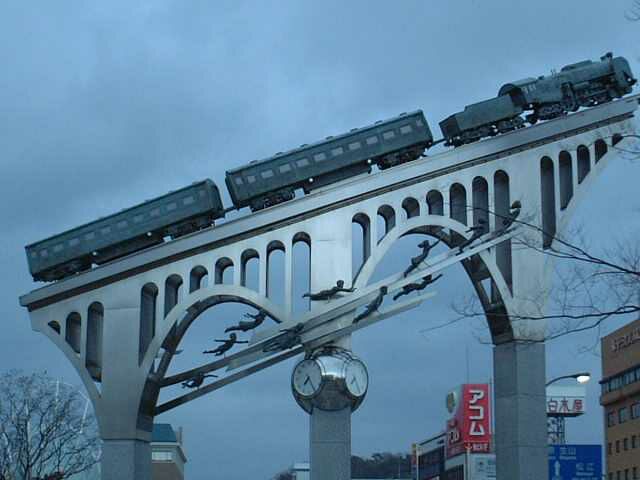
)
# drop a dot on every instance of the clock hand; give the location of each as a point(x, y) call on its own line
point(307, 381)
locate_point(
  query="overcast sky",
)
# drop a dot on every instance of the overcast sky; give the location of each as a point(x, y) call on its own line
point(106, 104)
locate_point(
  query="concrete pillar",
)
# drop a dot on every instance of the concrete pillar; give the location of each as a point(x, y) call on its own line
point(520, 410)
point(330, 445)
point(126, 460)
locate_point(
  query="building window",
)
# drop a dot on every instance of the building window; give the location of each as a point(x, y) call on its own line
point(625, 444)
point(623, 415)
point(609, 449)
point(635, 473)
point(162, 456)
point(617, 446)
point(635, 410)
point(618, 475)
point(611, 419)
point(634, 441)
point(626, 474)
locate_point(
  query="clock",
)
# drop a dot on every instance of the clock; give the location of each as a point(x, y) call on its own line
point(330, 379)
point(306, 378)
point(357, 378)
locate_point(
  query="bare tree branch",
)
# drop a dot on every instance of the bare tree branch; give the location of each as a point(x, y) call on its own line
point(43, 430)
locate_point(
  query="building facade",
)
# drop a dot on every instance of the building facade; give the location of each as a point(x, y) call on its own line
point(620, 399)
point(167, 453)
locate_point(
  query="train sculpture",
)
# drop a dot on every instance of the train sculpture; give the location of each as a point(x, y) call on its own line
point(386, 144)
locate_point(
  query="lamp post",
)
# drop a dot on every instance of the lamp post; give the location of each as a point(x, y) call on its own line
point(556, 421)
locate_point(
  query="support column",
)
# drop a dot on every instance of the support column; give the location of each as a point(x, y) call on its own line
point(126, 460)
point(330, 445)
point(520, 410)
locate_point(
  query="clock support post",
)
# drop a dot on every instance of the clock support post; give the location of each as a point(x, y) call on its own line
point(330, 432)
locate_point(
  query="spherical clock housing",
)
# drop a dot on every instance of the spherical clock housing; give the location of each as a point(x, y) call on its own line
point(330, 379)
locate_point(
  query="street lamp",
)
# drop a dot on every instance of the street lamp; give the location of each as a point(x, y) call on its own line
point(582, 377)
point(556, 423)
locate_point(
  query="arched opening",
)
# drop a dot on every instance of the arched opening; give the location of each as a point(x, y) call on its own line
point(95, 321)
point(548, 201)
point(458, 202)
point(616, 139)
point(411, 207)
point(301, 271)
point(198, 278)
point(584, 163)
point(480, 189)
point(275, 272)
point(360, 241)
point(566, 179)
point(172, 288)
point(55, 326)
point(600, 149)
point(148, 301)
point(386, 221)
point(502, 203)
point(73, 333)
point(250, 269)
point(224, 271)
point(435, 202)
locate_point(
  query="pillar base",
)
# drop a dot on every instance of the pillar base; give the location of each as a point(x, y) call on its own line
point(520, 406)
point(126, 460)
point(330, 445)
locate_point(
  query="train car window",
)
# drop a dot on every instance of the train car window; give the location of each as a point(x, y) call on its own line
point(372, 140)
point(121, 224)
point(138, 218)
point(203, 194)
point(284, 168)
point(34, 254)
point(419, 123)
point(105, 230)
point(355, 145)
point(266, 173)
point(388, 135)
point(74, 241)
point(44, 253)
point(90, 236)
point(319, 157)
point(58, 247)
point(337, 151)
point(303, 162)
point(188, 200)
point(251, 178)
point(238, 180)
point(405, 129)
point(171, 206)
point(155, 212)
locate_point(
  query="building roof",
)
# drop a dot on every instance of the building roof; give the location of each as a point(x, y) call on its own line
point(163, 432)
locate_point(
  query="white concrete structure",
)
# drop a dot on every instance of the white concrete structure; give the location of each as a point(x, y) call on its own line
point(112, 322)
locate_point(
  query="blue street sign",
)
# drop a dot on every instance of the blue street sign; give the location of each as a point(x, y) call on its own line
point(575, 462)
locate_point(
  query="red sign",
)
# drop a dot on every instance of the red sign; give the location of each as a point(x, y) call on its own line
point(470, 427)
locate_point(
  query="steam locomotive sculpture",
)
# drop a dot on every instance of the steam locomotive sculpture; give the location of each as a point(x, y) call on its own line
point(582, 84)
point(274, 180)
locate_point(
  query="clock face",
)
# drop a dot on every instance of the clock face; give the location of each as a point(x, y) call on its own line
point(357, 378)
point(307, 378)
